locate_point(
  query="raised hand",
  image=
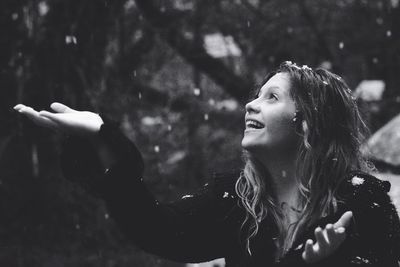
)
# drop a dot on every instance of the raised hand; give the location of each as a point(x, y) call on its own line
point(65, 119)
point(327, 239)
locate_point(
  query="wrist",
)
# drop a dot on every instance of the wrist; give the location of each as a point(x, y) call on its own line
point(103, 149)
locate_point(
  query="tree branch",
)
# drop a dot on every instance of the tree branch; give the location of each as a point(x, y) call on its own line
point(323, 44)
point(169, 27)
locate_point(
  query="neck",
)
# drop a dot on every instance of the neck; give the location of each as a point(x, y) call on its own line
point(283, 179)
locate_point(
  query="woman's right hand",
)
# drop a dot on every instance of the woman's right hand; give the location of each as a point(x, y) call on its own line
point(65, 119)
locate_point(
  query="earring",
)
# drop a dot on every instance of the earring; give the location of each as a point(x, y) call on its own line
point(296, 116)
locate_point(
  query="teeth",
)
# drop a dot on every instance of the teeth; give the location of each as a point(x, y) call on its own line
point(254, 124)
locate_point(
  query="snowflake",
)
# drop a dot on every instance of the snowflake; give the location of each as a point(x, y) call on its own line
point(196, 91)
point(357, 180)
point(187, 196)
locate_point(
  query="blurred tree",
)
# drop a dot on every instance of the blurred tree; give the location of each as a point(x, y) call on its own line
point(145, 62)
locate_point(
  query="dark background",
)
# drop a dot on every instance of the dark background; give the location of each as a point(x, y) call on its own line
point(144, 63)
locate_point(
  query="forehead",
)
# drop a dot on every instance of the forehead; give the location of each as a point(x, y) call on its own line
point(279, 82)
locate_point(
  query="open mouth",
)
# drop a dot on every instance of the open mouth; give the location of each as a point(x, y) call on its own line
point(252, 124)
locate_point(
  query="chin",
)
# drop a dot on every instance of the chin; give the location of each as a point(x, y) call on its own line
point(249, 146)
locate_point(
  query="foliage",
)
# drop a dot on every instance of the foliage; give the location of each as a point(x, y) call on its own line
point(143, 62)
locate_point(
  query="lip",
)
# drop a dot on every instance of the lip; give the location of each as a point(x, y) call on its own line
point(251, 129)
point(251, 119)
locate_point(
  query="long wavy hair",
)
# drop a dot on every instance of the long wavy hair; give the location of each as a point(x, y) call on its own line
point(331, 129)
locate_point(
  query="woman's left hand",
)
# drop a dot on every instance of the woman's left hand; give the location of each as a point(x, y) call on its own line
point(327, 239)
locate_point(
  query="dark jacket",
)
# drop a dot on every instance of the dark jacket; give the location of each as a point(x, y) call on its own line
point(206, 225)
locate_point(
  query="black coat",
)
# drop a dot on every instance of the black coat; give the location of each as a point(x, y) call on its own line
point(205, 225)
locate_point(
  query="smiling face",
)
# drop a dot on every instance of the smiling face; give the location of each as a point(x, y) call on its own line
point(273, 110)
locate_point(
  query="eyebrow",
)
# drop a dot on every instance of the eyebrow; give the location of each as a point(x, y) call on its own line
point(268, 88)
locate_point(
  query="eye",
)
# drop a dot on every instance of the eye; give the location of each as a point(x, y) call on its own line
point(273, 96)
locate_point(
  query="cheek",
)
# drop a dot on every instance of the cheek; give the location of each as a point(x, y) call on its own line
point(281, 129)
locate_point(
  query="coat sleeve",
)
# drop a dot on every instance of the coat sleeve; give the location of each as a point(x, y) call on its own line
point(192, 229)
point(373, 237)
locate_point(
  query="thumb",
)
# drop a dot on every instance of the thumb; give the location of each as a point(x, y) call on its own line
point(344, 221)
point(61, 108)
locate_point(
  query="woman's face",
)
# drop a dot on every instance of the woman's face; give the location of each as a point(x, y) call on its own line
point(274, 110)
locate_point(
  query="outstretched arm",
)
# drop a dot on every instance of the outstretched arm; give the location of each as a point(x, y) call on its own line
point(72, 122)
point(192, 229)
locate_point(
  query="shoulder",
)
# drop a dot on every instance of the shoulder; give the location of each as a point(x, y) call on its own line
point(218, 186)
point(224, 183)
point(366, 195)
point(365, 187)
point(214, 200)
point(374, 215)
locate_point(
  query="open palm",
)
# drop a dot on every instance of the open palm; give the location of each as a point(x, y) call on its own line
point(65, 119)
point(327, 239)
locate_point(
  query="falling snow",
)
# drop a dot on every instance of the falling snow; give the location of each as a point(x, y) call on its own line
point(206, 117)
point(43, 8)
point(156, 149)
point(196, 91)
point(389, 33)
point(151, 121)
point(341, 45)
point(70, 39)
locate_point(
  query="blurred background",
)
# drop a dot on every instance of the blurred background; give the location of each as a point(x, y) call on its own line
point(176, 74)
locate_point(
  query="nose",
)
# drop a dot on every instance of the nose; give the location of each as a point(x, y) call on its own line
point(251, 107)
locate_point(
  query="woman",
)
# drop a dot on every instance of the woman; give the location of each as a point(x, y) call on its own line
point(303, 198)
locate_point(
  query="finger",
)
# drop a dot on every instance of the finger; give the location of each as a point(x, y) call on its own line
point(61, 108)
point(340, 230)
point(329, 232)
point(49, 115)
point(36, 118)
point(321, 240)
point(54, 117)
point(344, 221)
point(334, 236)
point(18, 107)
point(308, 252)
point(45, 122)
point(337, 238)
point(340, 234)
point(28, 111)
